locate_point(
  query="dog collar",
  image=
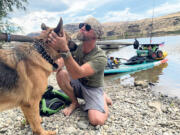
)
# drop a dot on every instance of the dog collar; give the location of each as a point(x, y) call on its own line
point(44, 54)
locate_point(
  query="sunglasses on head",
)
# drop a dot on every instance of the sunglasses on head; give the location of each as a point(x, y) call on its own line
point(87, 26)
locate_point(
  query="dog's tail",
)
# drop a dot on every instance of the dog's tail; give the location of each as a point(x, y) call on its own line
point(8, 77)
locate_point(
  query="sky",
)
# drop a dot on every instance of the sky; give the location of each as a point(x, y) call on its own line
point(76, 11)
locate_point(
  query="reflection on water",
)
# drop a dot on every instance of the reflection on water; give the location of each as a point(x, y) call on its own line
point(151, 75)
point(166, 76)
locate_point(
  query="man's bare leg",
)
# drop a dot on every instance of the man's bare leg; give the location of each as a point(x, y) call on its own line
point(64, 84)
point(108, 99)
point(98, 118)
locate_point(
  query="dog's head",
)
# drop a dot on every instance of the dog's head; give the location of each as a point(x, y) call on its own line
point(47, 30)
point(43, 38)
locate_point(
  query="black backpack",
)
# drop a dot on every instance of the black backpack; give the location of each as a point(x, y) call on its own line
point(52, 101)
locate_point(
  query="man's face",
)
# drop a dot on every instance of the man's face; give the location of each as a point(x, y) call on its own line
point(86, 34)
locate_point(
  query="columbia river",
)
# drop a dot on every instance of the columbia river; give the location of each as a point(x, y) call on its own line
point(166, 77)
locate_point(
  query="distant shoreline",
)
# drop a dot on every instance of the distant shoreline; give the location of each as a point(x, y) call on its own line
point(142, 36)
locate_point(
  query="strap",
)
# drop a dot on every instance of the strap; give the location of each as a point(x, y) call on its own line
point(54, 100)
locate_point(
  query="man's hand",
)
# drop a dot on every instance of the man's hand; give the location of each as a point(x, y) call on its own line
point(58, 43)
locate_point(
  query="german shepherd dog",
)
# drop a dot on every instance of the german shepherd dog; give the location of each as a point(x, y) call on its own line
point(24, 72)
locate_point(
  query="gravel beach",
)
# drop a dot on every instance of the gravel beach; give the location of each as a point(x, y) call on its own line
point(136, 110)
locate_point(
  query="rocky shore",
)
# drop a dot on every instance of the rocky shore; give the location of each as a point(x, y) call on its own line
point(136, 110)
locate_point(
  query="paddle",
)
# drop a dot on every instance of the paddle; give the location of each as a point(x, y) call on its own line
point(124, 59)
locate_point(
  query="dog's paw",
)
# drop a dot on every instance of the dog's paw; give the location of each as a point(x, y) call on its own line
point(49, 133)
point(40, 119)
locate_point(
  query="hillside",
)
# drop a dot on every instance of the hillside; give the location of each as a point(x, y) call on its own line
point(164, 25)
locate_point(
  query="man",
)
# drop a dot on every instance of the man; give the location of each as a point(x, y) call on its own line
point(136, 44)
point(84, 77)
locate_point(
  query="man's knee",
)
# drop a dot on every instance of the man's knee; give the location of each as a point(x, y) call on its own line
point(96, 121)
point(96, 117)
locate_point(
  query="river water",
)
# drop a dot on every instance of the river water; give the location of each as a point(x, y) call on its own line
point(166, 77)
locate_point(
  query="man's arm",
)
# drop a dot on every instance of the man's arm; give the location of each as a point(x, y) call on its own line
point(75, 70)
point(60, 63)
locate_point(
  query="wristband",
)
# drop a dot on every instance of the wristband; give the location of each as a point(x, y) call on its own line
point(65, 55)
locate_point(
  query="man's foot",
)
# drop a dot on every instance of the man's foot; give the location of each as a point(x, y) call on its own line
point(108, 100)
point(68, 110)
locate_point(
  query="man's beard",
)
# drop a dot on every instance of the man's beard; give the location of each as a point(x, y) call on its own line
point(82, 37)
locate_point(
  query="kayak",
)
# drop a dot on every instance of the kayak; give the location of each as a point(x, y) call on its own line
point(136, 67)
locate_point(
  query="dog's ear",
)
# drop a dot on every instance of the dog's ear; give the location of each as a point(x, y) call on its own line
point(44, 34)
point(59, 29)
point(44, 27)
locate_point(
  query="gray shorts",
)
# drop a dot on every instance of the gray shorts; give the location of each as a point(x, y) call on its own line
point(94, 97)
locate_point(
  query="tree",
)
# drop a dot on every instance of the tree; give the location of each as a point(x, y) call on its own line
point(7, 6)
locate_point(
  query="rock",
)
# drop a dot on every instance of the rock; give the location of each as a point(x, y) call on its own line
point(71, 130)
point(82, 124)
point(105, 127)
point(3, 131)
point(132, 113)
point(97, 127)
point(167, 133)
point(143, 84)
point(155, 104)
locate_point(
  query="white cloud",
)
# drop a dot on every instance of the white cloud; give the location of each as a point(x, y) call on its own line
point(73, 13)
point(124, 15)
point(127, 15)
point(165, 8)
point(78, 18)
point(75, 6)
point(32, 22)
